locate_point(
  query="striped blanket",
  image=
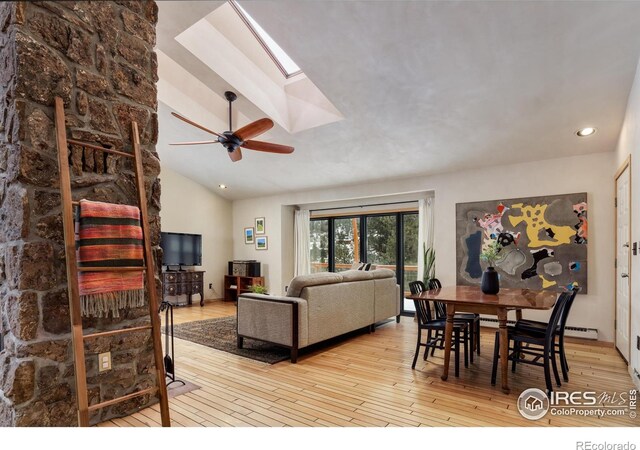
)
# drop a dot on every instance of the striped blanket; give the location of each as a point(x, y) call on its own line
point(109, 236)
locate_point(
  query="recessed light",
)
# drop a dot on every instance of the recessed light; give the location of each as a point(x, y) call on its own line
point(586, 132)
point(222, 186)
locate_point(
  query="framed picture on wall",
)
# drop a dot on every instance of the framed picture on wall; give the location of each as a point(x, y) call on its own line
point(261, 243)
point(260, 228)
point(248, 235)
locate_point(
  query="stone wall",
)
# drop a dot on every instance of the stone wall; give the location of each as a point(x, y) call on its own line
point(99, 57)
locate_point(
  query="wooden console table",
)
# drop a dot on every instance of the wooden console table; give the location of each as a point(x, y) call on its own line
point(234, 286)
point(175, 282)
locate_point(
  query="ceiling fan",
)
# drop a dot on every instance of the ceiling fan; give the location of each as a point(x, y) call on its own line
point(233, 140)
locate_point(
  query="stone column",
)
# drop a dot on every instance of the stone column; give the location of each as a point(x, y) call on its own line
point(99, 57)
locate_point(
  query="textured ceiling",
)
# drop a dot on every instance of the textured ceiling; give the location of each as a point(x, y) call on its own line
point(425, 87)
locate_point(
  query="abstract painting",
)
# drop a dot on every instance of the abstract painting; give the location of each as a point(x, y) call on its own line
point(544, 241)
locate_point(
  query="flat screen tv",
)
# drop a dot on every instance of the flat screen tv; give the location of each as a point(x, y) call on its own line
point(181, 249)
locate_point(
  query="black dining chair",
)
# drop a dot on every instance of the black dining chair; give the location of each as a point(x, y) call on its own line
point(536, 345)
point(534, 326)
point(431, 325)
point(473, 320)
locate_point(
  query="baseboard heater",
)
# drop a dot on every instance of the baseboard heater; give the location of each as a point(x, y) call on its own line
point(579, 332)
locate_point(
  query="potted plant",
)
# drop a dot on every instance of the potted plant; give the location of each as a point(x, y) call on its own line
point(490, 281)
point(258, 289)
point(429, 265)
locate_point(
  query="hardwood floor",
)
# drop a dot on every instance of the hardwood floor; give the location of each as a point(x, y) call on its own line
point(366, 381)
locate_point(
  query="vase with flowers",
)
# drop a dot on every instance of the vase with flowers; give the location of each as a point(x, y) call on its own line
point(490, 281)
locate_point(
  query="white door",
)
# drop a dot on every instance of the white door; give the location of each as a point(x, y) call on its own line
point(622, 262)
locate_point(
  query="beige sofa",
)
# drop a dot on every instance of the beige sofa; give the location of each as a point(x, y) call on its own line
point(318, 307)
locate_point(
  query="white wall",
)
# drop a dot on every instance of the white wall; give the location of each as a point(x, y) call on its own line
point(188, 207)
point(591, 174)
point(244, 214)
point(629, 144)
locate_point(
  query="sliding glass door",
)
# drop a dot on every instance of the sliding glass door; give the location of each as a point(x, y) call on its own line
point(387, 240)
point(409, 256)
point(382, 240)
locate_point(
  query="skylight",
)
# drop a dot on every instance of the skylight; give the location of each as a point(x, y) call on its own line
point(282, 60)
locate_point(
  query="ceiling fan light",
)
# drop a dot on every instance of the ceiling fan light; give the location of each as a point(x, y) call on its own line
point(222, 186)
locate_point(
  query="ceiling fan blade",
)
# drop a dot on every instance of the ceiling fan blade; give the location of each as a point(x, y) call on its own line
point(267, 147)
point(235, 155)
point(190, 122)
point(254, 129)
point(194, 143)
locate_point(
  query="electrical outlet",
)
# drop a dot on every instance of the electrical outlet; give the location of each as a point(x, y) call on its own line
point(210, 285)
point(104, 362)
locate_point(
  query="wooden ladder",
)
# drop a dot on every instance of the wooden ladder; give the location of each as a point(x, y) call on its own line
point(77, 335)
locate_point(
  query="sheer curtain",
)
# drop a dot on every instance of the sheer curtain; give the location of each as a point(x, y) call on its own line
point(425, 230)
point(302, 259)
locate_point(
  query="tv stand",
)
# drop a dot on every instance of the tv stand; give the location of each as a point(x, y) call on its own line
point(182, 282)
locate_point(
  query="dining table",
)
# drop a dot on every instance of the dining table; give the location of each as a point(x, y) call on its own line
point(471, 299)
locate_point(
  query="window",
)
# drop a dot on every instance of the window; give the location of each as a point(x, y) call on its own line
point(319, 245)
point(387, 240)
point(284, 62)
point(346, 242)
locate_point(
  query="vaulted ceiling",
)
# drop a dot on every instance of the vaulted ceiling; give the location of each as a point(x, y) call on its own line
point(423, 88)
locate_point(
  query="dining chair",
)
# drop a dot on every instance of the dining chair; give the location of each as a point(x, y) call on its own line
point(539, 346)
point(431, 325)
point(534, 326)
point(473, 320)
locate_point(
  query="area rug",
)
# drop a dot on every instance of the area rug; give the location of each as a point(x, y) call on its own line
point(221, 334)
